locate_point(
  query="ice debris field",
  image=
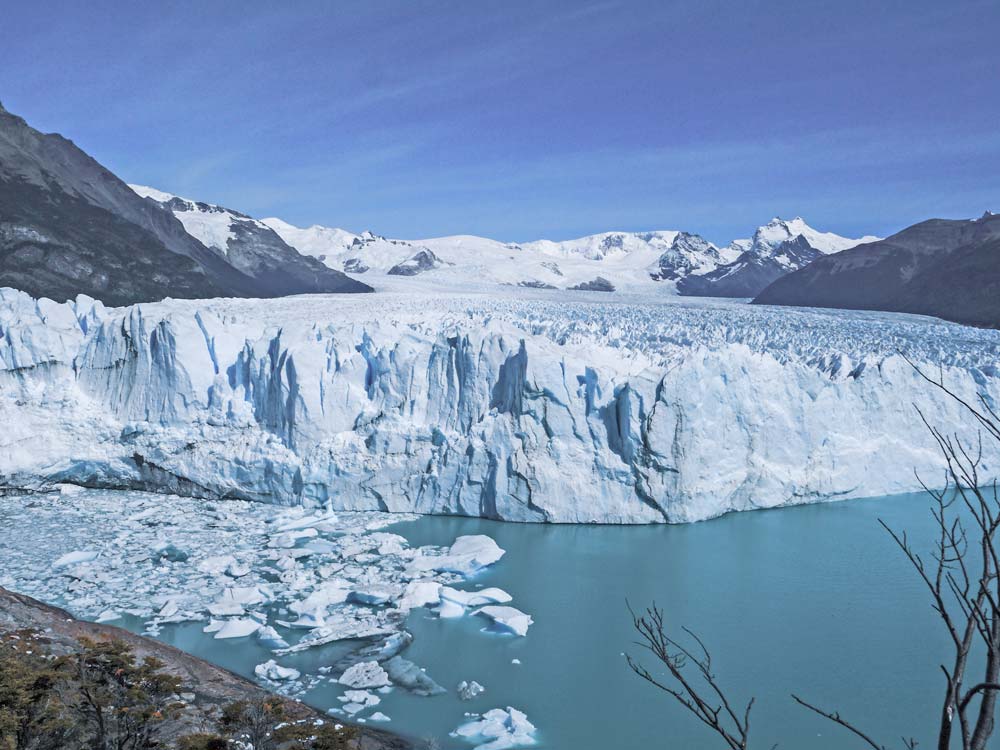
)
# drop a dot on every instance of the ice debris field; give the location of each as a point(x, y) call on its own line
point(526, 407)
point(291, 579)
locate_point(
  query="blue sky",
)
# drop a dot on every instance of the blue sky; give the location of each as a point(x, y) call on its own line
point(520, 120)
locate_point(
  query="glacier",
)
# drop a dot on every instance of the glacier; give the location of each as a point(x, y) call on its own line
point(524, 406)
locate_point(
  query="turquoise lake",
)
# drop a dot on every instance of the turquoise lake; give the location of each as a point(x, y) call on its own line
point(814, 599)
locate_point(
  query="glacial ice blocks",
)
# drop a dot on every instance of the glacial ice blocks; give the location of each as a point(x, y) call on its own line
point(286, 580)
point(519, 408)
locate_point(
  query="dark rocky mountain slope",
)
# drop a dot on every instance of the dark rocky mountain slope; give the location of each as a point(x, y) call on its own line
point(941, 267)
point(69, 226)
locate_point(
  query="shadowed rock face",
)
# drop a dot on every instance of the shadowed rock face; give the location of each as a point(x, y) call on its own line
point(946, 268)
point(599, 284)
point(749, 274)
point(424, 260)
point(70, 226)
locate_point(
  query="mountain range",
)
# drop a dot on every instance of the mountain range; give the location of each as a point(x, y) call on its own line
point(68, 226)
point(665, 261)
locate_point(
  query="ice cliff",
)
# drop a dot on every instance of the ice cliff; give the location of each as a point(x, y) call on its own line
point(526, 408)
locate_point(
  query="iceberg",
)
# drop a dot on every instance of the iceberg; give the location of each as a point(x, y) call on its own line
point(274, 672)
point(366, 674)
point(508, 618)
point(408, 675)
point(553, 407)
point(498, 729)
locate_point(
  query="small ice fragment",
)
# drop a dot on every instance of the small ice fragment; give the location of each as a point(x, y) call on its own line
point(379, 716)
point(75, 558)
point(269, 638)
point(271, 670)
point(469, 690)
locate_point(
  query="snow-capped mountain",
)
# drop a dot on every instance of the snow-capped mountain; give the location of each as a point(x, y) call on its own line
point(637, 262)
point(521, 406)
point(768, 238)
point(776, 248)
point(251, 246)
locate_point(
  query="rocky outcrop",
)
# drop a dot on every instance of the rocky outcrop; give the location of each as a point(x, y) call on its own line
point(211, 687)
point(69, 226)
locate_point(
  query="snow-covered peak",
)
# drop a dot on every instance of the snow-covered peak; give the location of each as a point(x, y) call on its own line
point(157, 195)
point(317, 241)
point(209, 224)
point(606, 244)
point(770, 236)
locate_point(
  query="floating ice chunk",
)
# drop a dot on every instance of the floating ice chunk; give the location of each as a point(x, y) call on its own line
point(379, 716)
point(475, 598)
point(239, 628)
point(307, 620)
point(68, 490)
point(216, 564)
point(364, 697)
point(510, 618)
point(380, 652)
point(271, 670)
point(338, 627)
point(498, 729)
point(169, 609)
point(237, 569)
point(109, 615)
point(469, 690)
point(408, 675)
point(288, 539)
point(371, 595)
point(75, 558)
point(515, 661)
point(268, 637)
point(305, 522)
point(420, 594)
point(170, 552)
point(367, 674)
point(449, 609)
point(225, 609)
point(467, 556)
point(328, 594)
point(214, 626)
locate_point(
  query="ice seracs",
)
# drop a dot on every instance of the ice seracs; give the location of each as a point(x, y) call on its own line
point(535, 408)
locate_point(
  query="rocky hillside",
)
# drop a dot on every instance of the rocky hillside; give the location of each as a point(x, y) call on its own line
point(69, 226)
point(206, 696)
point(941, 267)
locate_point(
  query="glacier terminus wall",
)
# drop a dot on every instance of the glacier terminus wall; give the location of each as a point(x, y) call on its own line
point(522, 408)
